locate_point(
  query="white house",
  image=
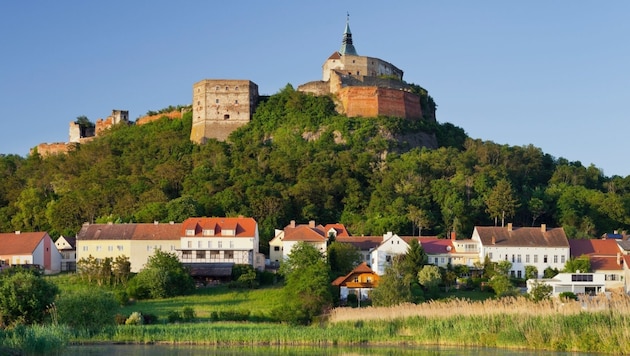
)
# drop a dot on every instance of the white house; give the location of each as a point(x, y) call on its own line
point(577, 283)
point(381, 257)
point(30, 248)
point(316, 235)
point(67, 248)
point(605, 256)
point(523, 246)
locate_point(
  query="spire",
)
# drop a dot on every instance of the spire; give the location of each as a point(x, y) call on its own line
point(346, 43)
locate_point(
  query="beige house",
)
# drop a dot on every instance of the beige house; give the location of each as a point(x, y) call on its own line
point(67, 247)
point(317, 235)
point(136, 241)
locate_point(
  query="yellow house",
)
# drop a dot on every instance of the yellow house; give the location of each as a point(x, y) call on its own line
point(136, 241)
point(360, 282)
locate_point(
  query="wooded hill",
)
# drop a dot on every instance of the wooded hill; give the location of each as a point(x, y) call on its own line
point(299, 160)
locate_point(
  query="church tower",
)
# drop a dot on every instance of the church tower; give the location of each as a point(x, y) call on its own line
point(346, 43)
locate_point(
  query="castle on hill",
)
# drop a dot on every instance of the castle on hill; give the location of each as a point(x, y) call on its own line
point(360, 86)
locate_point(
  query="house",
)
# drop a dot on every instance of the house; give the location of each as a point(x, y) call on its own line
point(453, 252)
point(316, 235)
point(523, 246)
point(67, 247)
point(360, 282)
point(30, 248)
point(391, 245)
point(605, 256)
point(365, 245)
point(211, 246)
point(577, 283)
point(136, 241)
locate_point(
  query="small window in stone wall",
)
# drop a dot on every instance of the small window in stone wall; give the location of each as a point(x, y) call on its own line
point(216, 101)
point(217, 88)
point(236, 88)
point(226, 117)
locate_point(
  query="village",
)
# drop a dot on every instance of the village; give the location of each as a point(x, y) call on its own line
point(211, 247)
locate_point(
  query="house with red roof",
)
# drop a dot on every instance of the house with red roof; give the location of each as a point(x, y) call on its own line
point(211, 245)
point(606, 258)
point(316, 235)
point(523, 246)
point(360, 282)
point(30, 248)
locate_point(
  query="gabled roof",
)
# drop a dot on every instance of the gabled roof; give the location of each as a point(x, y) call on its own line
point(364, 243)
point(593, 247)
point(624, 245)
point(243, 227)
point(335, 55)
point(153, 231)
point(70, 240)
point(305, 233)
point(360, 269)
point(522, 236)
point(23, 243)
point(340, 229)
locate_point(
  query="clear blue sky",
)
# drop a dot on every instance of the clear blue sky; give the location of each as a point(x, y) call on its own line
point(554, 74)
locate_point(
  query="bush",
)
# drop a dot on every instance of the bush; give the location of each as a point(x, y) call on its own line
point(135, 319)
point(568, 296)
point(87, 310)
point(150, 319)
point(352, 300)
point(122, 297)
point(24, 296)
point(214, 316)
point(174, 316)
point(188, 314)
point(120, 319)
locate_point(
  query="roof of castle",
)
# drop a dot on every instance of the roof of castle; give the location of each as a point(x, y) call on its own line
point(346, 44)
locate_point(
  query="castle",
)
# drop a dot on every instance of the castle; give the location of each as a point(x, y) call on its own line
point(361, 86)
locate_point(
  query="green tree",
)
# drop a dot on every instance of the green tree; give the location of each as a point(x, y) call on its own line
point(342, 258)
point(501, 202)
point(550, 272)
point(582, 264)
point(419, 218)
point(414, 259)
point(540, 291)
point(25, 296)
point(164, 276)
point(531, 272)
point(307, 291)
point(393, 287)
point(500, 281)
point(429, 277)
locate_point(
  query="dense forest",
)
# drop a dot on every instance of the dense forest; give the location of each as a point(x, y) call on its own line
point(300, 160)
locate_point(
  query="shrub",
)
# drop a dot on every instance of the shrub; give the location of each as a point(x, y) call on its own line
point(188, 314)
point(568, 296)
point(87, 310)
point(352, 300)
point(150, 319)
point(24, 296)
point(214, 316)
point(174, 316)
point(135, 319)
point(120, 319)
point(122, 297)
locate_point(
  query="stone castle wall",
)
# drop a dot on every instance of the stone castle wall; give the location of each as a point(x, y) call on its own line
point(176, 114)
point(374, 101)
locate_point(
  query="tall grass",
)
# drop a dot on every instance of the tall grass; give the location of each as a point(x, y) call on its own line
point(34, 339)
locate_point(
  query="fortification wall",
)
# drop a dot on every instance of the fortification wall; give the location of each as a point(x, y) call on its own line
point(49, 149)
point(316, 88)
point(375, 101)
point(176, 114)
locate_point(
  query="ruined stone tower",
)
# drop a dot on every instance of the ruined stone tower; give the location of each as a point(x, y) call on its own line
point(220, 106)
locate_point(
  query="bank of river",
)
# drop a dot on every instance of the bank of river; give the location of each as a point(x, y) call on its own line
point(192, 350)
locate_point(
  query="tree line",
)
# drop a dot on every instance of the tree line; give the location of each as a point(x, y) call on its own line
point(299, 160)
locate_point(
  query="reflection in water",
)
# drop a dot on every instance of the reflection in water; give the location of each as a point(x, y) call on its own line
point(188, 350)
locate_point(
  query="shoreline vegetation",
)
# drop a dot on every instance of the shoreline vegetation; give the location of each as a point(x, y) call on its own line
point(599, 325)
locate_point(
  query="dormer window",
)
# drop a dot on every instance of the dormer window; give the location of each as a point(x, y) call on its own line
point(208, 232)
point(190, 232)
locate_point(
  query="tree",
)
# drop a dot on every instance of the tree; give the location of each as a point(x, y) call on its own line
point(342, 258)
point(414, 259)
point(501, 202)
point(500, 282)
point(393, 287)
point(550, 272)
point(429, 277)
point(531, 272)
point(540, 291)
point(419, 218)
point(164, 276)
point(581, 264)
point(121, 269)
point(307, 292)
point(25, 296)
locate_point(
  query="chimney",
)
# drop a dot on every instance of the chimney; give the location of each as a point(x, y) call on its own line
point(543, 227)
point(510, 227)
point(453, 235)
point(494, 240)
point(292, 224)
point(311, 223)
point(17, 232)
point(155, 222)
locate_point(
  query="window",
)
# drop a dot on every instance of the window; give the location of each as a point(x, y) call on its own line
point(526, 258)
point(85, 248)
point(545, 259)
point(581, 277)
point(442, 259)
point(216, 88)
point(226, 117)
point(190, 232)
point(236, 102)
point(437, 260)
point(555, 258)
point(535, 258)
point(611, 277)
point(209, 244)
point(110, 248)
point(98, 248)
point(226, 88)
point(356, 279)
point(220, 244)
point(276, 248)
point(199, 244)
point(120, 247)
point(189, 244)
point(519, 274)
point(490, 255)
point(562, 259)
point(236, 88)
point(513, 260)
point(231, 244)
point(512, 274)
point(368, 279)
point(187, 255)
point(216, 101)
point(388, 258)
point(201, 254)
point(228, 254)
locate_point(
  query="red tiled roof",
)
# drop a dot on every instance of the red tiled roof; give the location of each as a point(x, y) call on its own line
point(21, 243)
point(362, 268)
point(522, 236)
point(130, 232)
point(157, 232)
point(589, 247)
point(335, 55)
point(339, 228)
point(243, 227)
point(305, 233)
point(434, 245)
point(364, 243)
point(605, 263)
